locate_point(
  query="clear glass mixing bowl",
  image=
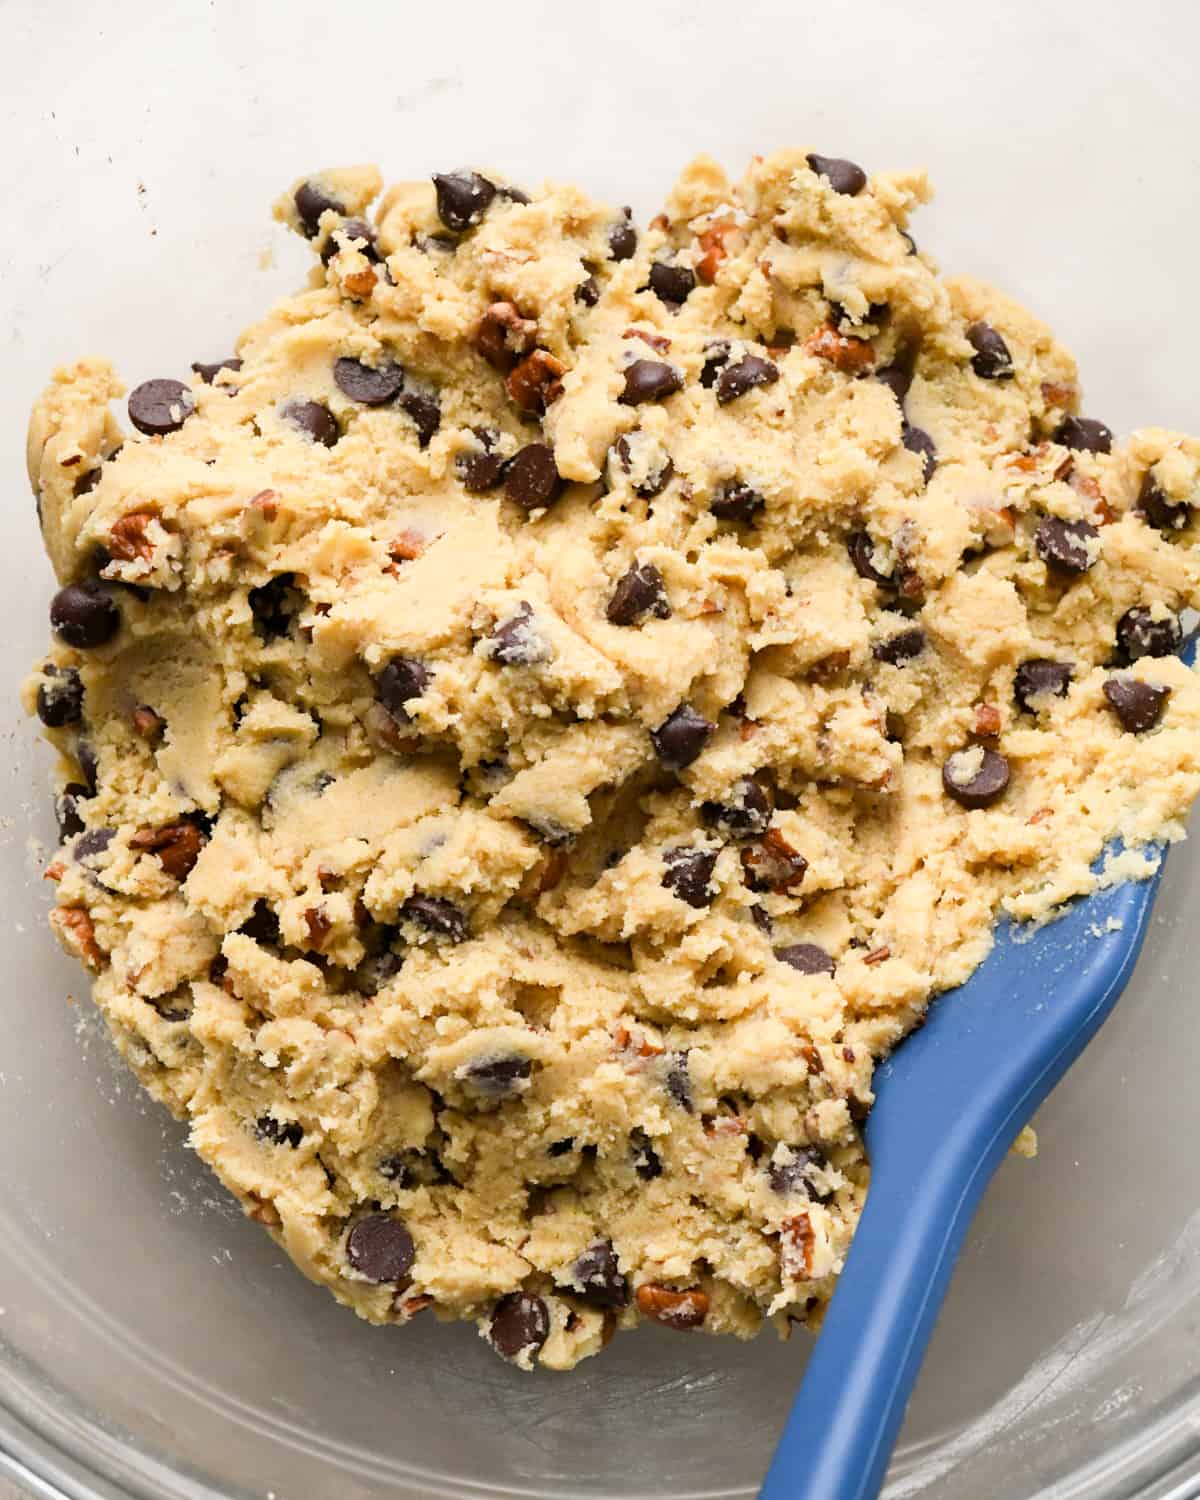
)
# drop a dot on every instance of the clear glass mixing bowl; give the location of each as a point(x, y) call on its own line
point(155, 1344)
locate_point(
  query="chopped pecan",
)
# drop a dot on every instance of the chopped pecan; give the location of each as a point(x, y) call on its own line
point(147, 725)
point(319, 926)
point(813, 1058)
point(829, 666)
point(713, 250)
point(535, 382)
point(77, 934)
point(1041, 815)
point(360, 283)
point(987, 720)
point(1059, 393)
point(177, 846)
point(127, 539)
point(876, 956)
point(657, 341)
point(661, 222)
point(680, 1310)
point(266, 503)
point(55, 872)
point(503, 335)
point(747, 728)
point(407, 547)
point(771, 864)
point(262, 1211)
point(797, 1240)
point(850, 356)
point(553, 868)
point(635, 1043)
point(409, 1307)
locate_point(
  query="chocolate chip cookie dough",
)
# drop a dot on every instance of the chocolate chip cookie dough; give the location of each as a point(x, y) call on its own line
point(543, 718)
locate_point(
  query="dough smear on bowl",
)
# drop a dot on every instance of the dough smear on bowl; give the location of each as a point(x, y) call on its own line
point(543, 717)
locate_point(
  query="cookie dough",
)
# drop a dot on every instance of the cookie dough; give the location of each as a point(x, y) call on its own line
point(543, 718)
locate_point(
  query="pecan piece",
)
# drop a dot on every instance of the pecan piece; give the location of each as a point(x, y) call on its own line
point(658, 341)
point(987, 720)
point(553, 868)
point(850, 356)
point(128, 541)
point(876, 956)
point(177, 846)
point(796, 1243)
point(147, 725)
point(535, 382)
point(263, 1212)
point(319, 926)
point(680, 1310)
point(360, 283)
point(407, 547)
point(1059, 393)
point(712, 250)
point(772, 864)
point(504, 336)
point(265, 504)
point(77, 935)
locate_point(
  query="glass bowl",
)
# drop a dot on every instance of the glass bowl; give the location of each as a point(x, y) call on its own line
point(153, 1343)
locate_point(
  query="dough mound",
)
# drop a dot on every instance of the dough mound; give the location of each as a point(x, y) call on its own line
point(542, 721)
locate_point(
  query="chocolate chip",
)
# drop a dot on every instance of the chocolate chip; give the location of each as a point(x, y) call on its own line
point(745, 815)
point(679, 739)
point(1039, 678)
point(425, 411)
point(375, 971)
point(646, 1161)
point(84, 485)
point(514, 194)
point(735, 501)
point(1084, 434)
point(88, 764)
point(274, 605)
point(1158, 510)
point(66, 809)
point(1138, 705)
point(991, 360)
point(497, 1077)
point(897, 378)
point(262, 925)
point(60, 697)
point(975, 777)
point(649, 380)
point(532, 479)
point(84, 614)
point(208, 373)
point(367, 385)
point(862, 554)
point(688, 875)
point(672, 283)
point(1065, 545)
point(678, 1080)
point(561, 1148)
point(92, 843)
point(761, 918)
point(396, 1168)
point(481, 469)
point(623, 238)
point(513, 643)
point(520, 1325)
point(157, 407)
point(657, 477)
point(1140, 633)
point(638, 592)
point(795, 1173)
point(808, 958)
point(596, 1277)
point(279, 1132)
point(400, 681)
point(845, 177)
point(588, 292)
point(311, 202)
point(438, 916)
point(314, 419)
point(898, 649)
point(716, 357)
point(351, 229)
point(736, 380)
point(380, 1248)
point(918, 441)
point(462, 199)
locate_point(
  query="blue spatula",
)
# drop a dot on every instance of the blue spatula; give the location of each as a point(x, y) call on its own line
point(948, 1106)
